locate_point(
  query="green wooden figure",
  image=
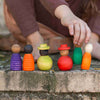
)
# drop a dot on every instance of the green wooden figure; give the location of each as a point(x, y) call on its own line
point(77, 55)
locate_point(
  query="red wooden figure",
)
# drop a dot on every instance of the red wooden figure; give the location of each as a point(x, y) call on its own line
point(64, 62)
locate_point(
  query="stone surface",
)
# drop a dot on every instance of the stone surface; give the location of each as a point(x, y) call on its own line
point(46, 96)
point(94, 98)
point(85, 97)
point(53, 82)
point(78, 81)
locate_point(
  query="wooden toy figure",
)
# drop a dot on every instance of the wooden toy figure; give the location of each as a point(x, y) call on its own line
point(77, 55)
point(64, 62)
point(86, 61)
point(16, 62)
point(44, 62)
point(28, 60)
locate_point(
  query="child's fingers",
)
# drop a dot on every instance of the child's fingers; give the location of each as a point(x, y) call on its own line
point(77, 33)
point(71, 29)
point(83, 33)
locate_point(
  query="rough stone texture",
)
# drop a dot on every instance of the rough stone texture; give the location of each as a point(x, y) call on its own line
point(94, 98)
point(53, 82)
point(85, 97)
point(46, 96)
point(40, 85)
point(78, 81)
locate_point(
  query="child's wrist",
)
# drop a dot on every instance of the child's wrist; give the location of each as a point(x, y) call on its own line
point(62, 11)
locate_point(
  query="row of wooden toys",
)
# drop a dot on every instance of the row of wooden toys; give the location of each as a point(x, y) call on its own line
point(45, 62)
point(66, 63)
point(85, 60)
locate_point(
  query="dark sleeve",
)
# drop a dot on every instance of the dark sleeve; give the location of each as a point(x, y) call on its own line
point(94, 22)
point(24, 15)
point(51, 5)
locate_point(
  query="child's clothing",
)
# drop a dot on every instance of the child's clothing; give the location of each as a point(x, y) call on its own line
point(27, 12)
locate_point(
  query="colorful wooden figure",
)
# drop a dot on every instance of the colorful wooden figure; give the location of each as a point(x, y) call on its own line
point(64, 62)
point(16, 62)
point(44, 62)
point(28, 60)
point(86, 61)
point(77, 55)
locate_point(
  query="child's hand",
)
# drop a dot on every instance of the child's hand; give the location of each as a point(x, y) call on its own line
point(35, 39)
point(77, 27)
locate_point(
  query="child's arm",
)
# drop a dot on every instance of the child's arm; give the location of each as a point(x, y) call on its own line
point(51, 5)
point(77, 27)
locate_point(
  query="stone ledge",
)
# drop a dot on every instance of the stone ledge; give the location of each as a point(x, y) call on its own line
point(58, 82)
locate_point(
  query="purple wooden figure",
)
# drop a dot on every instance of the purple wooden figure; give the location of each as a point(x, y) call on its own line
point(16, 62)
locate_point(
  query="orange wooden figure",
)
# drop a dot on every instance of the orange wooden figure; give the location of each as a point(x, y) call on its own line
point(86, 61)
point(28, 60)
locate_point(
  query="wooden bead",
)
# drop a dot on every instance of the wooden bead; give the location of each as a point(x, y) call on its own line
point(28, 49)
point(15, 48)
point(44, 63)
point(43, 52)
point(65, 63)
point(64, 52)
point(89, 48)
point(76, 45)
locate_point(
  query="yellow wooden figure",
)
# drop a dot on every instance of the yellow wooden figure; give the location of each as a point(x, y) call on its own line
point(86, 61)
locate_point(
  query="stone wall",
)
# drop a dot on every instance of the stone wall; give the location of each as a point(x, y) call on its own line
point(41, 85)
point(47, 96)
